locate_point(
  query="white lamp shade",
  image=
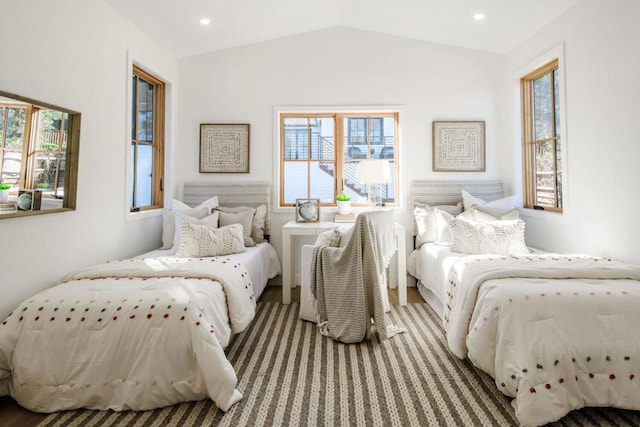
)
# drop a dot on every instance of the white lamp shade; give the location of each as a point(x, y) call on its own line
point(374, 172)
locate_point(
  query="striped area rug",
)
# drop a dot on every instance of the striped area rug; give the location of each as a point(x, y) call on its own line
point(291, 375)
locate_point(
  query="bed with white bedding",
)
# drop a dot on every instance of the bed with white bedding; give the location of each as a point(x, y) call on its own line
point(136, 333)
point(556, 332)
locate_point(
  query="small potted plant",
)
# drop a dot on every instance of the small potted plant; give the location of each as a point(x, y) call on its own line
point(344, 204)
point(4, 191)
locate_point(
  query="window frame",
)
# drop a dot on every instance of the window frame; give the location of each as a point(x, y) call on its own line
point(340, 134)
point(158, 142)
point(529, 143)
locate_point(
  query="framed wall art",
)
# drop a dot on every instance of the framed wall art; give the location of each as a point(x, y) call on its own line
point(307, 210)
point(224, 148)
point(458, 146)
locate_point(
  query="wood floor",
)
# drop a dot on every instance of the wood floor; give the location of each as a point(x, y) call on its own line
point(13, 415)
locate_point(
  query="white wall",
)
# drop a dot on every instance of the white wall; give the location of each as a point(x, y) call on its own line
point(73, 53)
point(601, 42)
point(340, 67)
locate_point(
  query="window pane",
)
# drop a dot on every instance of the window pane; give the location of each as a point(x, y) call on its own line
point(145, 111)
point(322, 181)
point(558, 173)
point(144, 185)
point(46, 166)
point(1, 124)
point(556, 99)
point(133, 178)
point(134, 91)
point(59, 192)
point(545, 174)
point(295, 181)
point(15, 128)
point(11, 167)
point(50, 133)
point(322, 139)
point(296, 139)
point(542, 104)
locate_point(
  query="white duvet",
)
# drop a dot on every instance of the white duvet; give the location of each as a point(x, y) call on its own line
point(560, 333)
point(130, 334)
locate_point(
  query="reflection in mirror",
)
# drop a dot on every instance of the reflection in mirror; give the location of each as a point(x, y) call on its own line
point(38, 156)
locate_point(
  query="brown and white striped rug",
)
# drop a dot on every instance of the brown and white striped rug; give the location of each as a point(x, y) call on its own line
point(291, 375)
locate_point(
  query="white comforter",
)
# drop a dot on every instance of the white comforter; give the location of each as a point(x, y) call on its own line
point(130, 334)
point(560, 334)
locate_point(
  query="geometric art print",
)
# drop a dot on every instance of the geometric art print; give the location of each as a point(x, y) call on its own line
point(458, 146)
point(224, 148)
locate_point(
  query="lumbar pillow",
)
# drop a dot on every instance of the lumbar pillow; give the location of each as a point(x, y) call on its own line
point(244, 218)
point(498, 237)
point(198, 240)
point(181, 218)
point(484, 214)
point(468, 200)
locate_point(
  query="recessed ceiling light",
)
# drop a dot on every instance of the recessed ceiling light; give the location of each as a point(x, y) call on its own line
point(205, 21)
point(479, 16)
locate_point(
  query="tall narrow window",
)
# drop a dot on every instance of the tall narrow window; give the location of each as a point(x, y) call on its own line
point(542, 144)
point(321, 154)
point(147, 141)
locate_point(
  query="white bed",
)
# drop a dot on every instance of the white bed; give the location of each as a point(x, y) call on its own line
point(138, 333)
point(556, 332)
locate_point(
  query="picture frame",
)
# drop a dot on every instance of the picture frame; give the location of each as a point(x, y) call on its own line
point(459, 146)
point(224, 148)
point(307, 210)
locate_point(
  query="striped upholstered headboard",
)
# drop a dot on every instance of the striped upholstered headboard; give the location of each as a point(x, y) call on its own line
point(436, 193)
point(231, 194)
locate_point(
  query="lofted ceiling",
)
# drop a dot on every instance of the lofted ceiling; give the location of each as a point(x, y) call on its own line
point(175, 24)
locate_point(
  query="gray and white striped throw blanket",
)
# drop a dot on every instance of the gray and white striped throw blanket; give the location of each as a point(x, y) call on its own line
point(346, 281)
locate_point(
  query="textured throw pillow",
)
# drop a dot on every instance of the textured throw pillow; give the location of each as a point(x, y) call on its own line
point(484, 214)
point(468, 200)
point(329, 238)
point(181, 218)
point(498, 237)
point(198, 240)
point(168, 223)
point(259, 219)
point(244, 218)
point(168, 218)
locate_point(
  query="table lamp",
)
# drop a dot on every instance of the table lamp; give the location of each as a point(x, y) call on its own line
point(371, 173)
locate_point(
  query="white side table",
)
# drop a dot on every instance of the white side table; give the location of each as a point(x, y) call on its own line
point(292, 229)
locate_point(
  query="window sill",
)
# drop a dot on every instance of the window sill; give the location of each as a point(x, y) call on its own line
point(135, 216)
point(536, 213)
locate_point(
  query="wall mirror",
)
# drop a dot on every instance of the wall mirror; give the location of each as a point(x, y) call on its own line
point(39, 145)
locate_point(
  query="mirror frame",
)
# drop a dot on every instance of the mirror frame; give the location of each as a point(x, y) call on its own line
point(71, 161)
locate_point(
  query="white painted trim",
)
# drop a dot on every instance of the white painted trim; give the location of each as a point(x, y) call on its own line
point(553, 53)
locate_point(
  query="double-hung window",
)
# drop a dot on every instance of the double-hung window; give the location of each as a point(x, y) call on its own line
point(542, 143)
point(320, 155)
point(147, 141)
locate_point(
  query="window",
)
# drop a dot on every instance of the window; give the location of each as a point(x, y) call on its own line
point(39, 150)
point(321, 154)
point(542, 143)
point(147, 141)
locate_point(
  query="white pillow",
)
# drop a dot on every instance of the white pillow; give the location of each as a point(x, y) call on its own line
point(426, 223)
point(198, 240)
point(443, 235)
point(468, 200)
point(243, 217)
point(329, 238)
point(482, 214)
point(497, 237)
point(168, 217)
point(181, 218)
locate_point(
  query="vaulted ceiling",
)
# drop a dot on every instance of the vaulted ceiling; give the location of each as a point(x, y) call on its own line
point(175, 24)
